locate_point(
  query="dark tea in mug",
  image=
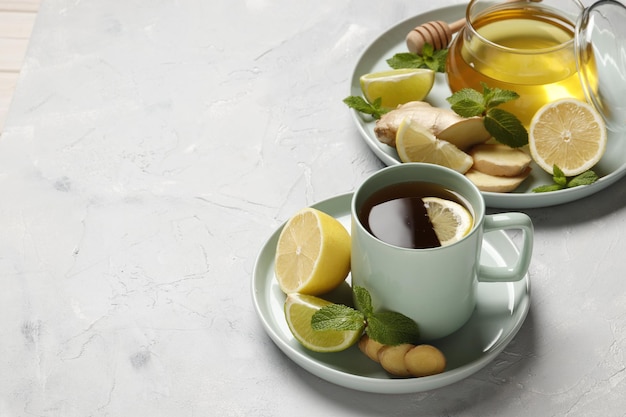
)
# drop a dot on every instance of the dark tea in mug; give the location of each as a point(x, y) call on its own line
point(398, 215)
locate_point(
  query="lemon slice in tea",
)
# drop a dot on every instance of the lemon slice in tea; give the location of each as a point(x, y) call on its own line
point(450, 219)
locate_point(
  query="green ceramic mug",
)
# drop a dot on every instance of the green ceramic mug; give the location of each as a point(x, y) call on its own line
point(434, 286)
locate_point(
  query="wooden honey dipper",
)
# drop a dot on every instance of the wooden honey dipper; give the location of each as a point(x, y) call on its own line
point(437, 33)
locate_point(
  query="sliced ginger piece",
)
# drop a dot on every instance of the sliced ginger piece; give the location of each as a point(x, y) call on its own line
point(391, 359)
point(370, 347)
point(496, 184)
point(499, 160)
point(424, 360)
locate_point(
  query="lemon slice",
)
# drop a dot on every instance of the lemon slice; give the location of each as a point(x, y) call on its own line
point(299, 308)
point(398, 86)
point(567, 133)
point(415, 143)
point(312, 253)
point(450, 219)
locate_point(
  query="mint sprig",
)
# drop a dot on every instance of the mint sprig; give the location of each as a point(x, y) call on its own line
point(391, 328)
point(358, 103)
point(337, 317)
point(386, 327)
point(586, 178)
point(430, 59)
point(502, 125)
point(363, 300)
point(561, 181)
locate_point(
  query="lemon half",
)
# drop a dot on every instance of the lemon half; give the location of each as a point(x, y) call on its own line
point(312, 253)
point(567, 133)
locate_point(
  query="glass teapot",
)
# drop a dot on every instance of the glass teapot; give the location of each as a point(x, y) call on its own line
point(544, 50)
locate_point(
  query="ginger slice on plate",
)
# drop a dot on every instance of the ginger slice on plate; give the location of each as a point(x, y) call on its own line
point(500, 160)
point(494, 183)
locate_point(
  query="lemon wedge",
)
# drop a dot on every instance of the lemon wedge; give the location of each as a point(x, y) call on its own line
point(397, 86)
point(415, 143)
point(299, 309)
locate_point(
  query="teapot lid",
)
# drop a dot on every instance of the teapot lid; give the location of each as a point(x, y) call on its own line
point(601, 59)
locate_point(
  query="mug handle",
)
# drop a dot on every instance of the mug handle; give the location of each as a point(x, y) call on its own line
point(512, 272)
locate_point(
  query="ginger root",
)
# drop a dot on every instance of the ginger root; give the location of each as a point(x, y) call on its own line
point(391, 358)
point(424, 360)
point(370, 347)
point(404, 360)
point(445, 124)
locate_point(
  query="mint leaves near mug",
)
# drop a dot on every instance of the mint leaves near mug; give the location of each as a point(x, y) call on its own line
point(386, 327)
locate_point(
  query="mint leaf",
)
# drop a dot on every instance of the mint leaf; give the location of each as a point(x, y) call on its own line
point(391, 328)
point(386, 327)
point(337, 317)
point(467, 102)
point(435, 60)
point(406, 60)
point(363, 300)
point(430, 59)
point(561, 181)
point(547, 188)
point(427, 50)
point(586, 178)
point(358, 103)
point(468, 108)
point(558, 176)
point(505, 128)
point(497, 96)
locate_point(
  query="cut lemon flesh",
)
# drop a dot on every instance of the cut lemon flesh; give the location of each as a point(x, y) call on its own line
point(299, 309)
point(312, 253)
point(567, 133)
point(450, 219)
point(415, 143)
point(398, 86)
